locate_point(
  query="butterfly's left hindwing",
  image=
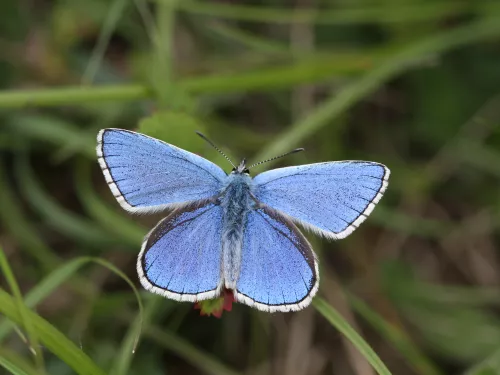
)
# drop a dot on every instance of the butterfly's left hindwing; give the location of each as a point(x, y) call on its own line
point(279, 271)
point(181, 258)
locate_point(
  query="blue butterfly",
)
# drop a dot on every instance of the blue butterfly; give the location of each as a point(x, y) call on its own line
point(229, 230)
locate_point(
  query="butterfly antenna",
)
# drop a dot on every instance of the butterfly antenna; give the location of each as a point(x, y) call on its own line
point(277, 157)
point(214, 146)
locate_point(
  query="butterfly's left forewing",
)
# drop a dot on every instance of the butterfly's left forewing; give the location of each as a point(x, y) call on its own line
point(181, 258)
point(331, 199)
point(279, 271)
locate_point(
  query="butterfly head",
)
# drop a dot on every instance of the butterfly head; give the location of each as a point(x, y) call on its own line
point(241, 168)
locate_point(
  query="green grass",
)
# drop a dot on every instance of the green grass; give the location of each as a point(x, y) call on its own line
point(413, 85)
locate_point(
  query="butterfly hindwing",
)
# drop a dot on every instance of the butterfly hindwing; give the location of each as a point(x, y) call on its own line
point(146, 174)
point(279, 271)
point(331, 198)
point(181, 258)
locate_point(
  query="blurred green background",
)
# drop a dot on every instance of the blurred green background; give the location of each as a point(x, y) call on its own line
point(413, 84)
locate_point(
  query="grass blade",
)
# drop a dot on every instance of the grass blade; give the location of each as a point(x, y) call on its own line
point(260, 79)
point(123, 358)
point(73, 95)
point(490, 366)
point(396, 337)
point(330, 314)
point(247, 39)
point(53, 130)
point(46, 287)
point(114, 222)
point(61, 275)
point(51, 337)
point(14, 221)
point(377, 13)
point(58, 217)
point(24, 319)
point(332, 108)
point(115, 12)
point(189, 352)
point(15, 364)
point(114, 269)
point(311, 70)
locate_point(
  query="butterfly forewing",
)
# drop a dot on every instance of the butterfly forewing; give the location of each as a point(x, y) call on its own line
point(331, 199)
point(146, 174)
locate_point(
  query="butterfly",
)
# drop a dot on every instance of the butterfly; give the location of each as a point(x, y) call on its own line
point(232, 231)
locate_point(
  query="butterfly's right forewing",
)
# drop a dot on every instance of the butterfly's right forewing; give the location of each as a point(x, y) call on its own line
point(147, 175)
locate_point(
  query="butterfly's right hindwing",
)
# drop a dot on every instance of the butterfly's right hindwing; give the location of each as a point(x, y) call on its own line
point(147, 175)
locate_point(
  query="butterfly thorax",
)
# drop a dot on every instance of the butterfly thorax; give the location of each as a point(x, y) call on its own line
point(236, 201)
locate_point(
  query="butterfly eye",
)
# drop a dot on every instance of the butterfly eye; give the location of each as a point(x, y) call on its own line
point(233, 169)
point(246, 171)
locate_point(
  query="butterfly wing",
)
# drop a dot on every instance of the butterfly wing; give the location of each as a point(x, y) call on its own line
point(181, 257)
point(146, 174)
point(279, 271)
point(332, 199)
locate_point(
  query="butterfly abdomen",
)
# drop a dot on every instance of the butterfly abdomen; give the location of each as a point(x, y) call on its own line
point(236, 203)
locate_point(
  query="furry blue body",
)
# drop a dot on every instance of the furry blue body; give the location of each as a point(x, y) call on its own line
point(236, 202)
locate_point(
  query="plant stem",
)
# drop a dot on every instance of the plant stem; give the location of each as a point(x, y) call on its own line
point(72, 95)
